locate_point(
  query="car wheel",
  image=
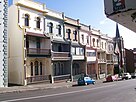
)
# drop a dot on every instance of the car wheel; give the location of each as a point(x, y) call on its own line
point(93, 83)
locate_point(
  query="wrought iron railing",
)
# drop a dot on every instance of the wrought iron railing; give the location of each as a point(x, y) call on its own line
point(38, 78)
point(38, 51)
point(60, 54)
point(62, 77)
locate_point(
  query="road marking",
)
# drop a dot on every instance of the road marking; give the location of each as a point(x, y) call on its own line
point(58, 94)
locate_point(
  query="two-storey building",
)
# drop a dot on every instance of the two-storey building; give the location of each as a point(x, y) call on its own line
point(110, 56)
point(78, 61)
point(60, 48)
point(90, 54)
point(29, 47)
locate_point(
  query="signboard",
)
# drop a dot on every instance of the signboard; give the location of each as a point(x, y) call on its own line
point(118, 5)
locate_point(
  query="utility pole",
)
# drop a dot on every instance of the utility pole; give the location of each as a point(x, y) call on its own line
point(3, 43)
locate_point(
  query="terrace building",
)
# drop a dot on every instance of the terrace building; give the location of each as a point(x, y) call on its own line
point(78, 60)
point(29, 46)
point(85, 39)
point(60, 48)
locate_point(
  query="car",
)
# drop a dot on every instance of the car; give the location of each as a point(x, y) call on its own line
point(111, 78)
point(126, 76)
point(85, 80)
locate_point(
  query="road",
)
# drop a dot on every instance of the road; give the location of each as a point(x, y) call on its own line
point(121, 91)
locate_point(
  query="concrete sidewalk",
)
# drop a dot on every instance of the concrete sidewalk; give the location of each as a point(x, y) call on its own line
point(39, 86)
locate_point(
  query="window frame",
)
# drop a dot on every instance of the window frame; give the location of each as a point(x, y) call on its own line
point(27, 18)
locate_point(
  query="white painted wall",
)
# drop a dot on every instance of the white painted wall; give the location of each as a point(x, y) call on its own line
point(55, 22)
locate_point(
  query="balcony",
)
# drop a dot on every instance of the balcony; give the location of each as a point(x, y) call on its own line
point(109, 61)
point(36, 52)
point(60, 56)
point(101, 61)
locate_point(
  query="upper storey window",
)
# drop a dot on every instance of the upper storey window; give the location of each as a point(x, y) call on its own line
point(75, 35)
point(50, 25)
point(97, 43)
point(68, 32)
point(27, 17)
point(38, 20)
point(87, 39)
point(59, 29)
point(82, 36)
point(93, 42)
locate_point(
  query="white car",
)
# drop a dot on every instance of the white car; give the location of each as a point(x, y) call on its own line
point(126, 76)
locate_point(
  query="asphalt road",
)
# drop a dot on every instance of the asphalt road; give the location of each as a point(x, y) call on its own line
point(121, 91)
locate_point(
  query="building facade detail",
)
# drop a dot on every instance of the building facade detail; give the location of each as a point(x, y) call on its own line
point(4, 43)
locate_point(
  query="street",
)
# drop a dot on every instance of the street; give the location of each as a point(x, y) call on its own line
point(121, 91)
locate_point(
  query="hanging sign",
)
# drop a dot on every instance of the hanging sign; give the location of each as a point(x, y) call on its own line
point(118, 5)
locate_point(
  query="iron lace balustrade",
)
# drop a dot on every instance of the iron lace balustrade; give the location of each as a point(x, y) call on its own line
point(37, 51)
point(38, 78)
point(62, 77)
point(61, 55)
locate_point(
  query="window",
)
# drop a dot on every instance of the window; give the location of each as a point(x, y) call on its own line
point(105, 45)
point(55, 69)
point(27, 20)
point(82, 37)
point(73, 50)
point(76, 69)
point(93, 54)
point(75, 35)
point(62, 69)
point(50, 25)
point(87, 39)
point(59, 29)
point(38, 22)
point(81, 51)
point(102, 44)
point(36, 68)
point(97, 43)
point(41, 70)
point(31, 69)
point(93, 42)
point(68, 31)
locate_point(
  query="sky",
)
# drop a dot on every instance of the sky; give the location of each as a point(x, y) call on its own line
point(91, 12)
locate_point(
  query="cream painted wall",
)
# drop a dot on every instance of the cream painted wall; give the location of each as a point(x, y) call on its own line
point(46, 65)
point(16, 54)
point(32, 21)
point(85, 38)
point(72, 28)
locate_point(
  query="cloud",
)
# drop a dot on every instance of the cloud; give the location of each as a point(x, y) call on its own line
point(104, 21)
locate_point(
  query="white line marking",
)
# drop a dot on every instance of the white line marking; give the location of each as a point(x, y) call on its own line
point(58, 94)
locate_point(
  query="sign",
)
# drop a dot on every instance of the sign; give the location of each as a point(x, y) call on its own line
point(118, 5)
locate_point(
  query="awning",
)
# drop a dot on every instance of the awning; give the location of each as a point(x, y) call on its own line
point(36, 34)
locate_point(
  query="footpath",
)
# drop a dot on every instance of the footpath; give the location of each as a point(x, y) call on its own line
point(39, 86)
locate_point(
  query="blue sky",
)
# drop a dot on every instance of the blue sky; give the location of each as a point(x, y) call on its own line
point(91, 12)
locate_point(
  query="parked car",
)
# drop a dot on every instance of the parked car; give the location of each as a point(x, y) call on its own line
point(85, 80)
point(111, 78)
point(133, 75)
point(126, 76)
